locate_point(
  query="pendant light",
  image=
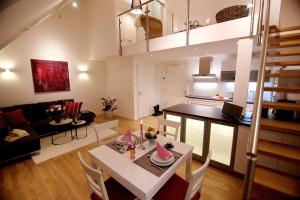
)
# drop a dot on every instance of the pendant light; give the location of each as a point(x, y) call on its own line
point(134, 4)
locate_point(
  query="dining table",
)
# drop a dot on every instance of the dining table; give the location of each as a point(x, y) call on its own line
point(144, 180)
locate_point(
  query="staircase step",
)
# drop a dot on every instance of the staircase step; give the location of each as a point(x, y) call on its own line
point(284, 44)
point(280, 126)
point(282, 89)
point(275, 185)
point(291, 28)
point(283, 63)
point(275, 29)
point(273, 53)
point(284, 74)
point(279, 151)
point(284, 37)
point(281, 105)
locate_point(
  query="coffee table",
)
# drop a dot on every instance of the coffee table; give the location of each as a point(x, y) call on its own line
point(61, 126)
point(78, 124)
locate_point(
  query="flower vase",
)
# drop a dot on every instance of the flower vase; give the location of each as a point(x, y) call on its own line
point(108, 114)
point(152, 141)
point(57, 119)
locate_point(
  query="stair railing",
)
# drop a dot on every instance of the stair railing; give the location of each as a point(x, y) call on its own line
point(260, 21)
point(255, 126)
point(253, 2)
point(147, 23)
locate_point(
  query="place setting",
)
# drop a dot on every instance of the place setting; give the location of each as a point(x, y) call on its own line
point(159, 159)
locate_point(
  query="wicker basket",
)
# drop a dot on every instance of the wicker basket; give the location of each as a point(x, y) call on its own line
point(232, 12)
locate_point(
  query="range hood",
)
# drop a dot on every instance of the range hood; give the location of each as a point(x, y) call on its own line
point(204, 71)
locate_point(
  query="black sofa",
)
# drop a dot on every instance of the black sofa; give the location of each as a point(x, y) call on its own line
point(38, 127)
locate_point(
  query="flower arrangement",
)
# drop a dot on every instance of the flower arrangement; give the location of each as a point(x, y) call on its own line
point(109, 104)
point(150, 134)
point(56, 112)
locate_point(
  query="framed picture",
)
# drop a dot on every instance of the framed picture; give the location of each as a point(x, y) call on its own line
point(50, 76)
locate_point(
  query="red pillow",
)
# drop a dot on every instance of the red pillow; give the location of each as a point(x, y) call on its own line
point(3, 124)
point(72, 108)
point(15, 118)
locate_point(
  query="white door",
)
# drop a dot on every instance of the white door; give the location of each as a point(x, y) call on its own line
point(175, 85)
point(144, 89)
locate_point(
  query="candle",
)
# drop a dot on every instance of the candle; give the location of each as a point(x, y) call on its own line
point(141, 126)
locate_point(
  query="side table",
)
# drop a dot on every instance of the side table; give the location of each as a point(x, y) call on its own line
point(62, 124)
point(78, 124)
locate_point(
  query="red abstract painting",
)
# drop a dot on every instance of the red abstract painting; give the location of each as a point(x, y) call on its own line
point(50, 76)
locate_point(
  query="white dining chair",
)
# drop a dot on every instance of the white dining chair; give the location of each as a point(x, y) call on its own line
point(103, 190)
point(106, 132)
point(164, 123)
point(181, 189)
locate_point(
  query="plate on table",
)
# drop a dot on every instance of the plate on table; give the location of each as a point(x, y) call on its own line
point(121, 141)
point(158, 161)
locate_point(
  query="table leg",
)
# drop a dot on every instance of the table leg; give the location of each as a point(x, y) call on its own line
point(188, 168)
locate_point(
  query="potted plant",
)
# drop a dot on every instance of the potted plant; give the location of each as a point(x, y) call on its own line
point(151, 135)
point(56, 112)
point(108, 106)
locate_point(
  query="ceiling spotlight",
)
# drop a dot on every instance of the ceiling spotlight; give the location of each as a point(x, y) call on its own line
point(74, 4)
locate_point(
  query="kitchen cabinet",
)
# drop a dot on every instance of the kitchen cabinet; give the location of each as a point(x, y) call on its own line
point(194, 134)
point(205, 128)
point(229, 76)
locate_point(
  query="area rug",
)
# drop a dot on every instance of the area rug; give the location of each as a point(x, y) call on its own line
point(48, 150)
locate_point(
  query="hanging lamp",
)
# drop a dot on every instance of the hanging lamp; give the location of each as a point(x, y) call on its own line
point(134, 4)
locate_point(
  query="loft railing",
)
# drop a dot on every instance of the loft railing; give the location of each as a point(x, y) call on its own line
point(187, 4)
point(255, 126)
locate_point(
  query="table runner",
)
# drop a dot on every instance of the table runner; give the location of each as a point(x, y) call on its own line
point(145, 160)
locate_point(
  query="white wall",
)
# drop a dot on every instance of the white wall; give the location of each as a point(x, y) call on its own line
point(102, 29)
point(62, 37)
point(290, 13)
point(119, 82)
point(21, 15)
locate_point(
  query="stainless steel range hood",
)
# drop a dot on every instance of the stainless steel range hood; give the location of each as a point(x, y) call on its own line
point(204, 71)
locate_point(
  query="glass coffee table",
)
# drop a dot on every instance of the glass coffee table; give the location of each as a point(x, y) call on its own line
point(60, 137)
point(78, 124)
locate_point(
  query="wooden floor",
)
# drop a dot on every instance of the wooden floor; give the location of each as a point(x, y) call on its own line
point(62, 176)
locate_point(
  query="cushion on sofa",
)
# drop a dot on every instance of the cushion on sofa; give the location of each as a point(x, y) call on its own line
point(72, 108)
point(64, 101)
point(15, 118)
point(3, 125)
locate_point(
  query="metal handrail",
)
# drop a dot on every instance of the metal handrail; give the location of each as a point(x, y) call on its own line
point(147, 2)
point(188, 22)
point(252, 17)
point(255, 126)
point(260, 20)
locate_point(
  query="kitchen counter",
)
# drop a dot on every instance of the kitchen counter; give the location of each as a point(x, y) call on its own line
point(215, 99)
point(207, 112)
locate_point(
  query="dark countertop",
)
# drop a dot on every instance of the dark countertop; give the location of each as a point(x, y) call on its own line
point(207, 112)
point(214, 99)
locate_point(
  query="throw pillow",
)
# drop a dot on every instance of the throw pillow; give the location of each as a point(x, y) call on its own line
point(15, 118)
point(72, 108)
point(3, 124)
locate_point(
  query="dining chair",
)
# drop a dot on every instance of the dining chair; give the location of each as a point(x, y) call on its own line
point(178, 189)
point(106, 132)
point(167, 123)
point(103, 190)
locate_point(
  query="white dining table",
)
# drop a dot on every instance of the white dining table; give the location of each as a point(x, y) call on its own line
point(142, 183)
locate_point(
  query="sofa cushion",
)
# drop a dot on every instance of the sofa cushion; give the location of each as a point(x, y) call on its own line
point(64, 101)
point(3, 125)
point(72, 108)
point(15, 118)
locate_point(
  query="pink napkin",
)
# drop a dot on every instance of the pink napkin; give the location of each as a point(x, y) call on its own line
point(162, 152)
point(127, 136)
